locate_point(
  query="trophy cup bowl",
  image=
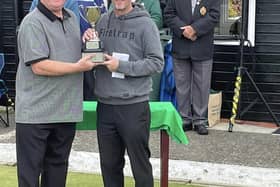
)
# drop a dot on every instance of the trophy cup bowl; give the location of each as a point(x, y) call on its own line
point(93, 46)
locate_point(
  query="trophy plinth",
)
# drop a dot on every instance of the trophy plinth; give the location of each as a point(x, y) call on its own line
point(94, 46)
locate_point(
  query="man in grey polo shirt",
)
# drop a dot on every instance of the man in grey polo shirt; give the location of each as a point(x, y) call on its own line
point(49, 93)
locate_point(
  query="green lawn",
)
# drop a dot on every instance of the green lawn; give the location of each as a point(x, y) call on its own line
point(8, 178)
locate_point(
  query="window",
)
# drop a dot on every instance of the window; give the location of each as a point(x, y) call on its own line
point(228, 30)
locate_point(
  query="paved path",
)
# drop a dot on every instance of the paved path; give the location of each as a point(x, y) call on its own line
point(238, 158)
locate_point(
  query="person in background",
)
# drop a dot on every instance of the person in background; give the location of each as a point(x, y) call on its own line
point(122, 87)
point(192, 23)
point(153, 8)
point(49, 93)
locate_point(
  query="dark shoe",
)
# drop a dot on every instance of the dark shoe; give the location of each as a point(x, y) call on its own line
point(201, 130)
point(187, 127)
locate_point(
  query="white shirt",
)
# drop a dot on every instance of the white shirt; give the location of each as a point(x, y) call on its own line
point(193, 5)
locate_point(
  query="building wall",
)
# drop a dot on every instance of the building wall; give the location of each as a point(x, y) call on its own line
point(8, 42)
point(265, 71)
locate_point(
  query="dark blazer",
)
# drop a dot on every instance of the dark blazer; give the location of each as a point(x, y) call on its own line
point(178, 13)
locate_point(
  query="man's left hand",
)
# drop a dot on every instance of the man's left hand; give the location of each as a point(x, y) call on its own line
point(111, 63)
point(189, 32)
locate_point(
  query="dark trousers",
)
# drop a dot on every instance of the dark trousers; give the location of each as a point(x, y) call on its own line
point(43, 150)
point(120, 128)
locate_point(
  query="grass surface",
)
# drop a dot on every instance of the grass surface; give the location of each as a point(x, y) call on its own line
point(8, 178)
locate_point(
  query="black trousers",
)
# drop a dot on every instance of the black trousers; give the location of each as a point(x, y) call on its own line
point(120, 128)
point(43, 151)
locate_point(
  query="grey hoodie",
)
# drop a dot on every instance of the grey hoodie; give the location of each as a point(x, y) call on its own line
point(137, 35)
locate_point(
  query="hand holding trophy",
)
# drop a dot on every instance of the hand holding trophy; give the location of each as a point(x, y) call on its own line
point(93, 46)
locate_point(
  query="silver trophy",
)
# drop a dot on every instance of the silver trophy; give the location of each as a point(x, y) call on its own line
point(93, 46)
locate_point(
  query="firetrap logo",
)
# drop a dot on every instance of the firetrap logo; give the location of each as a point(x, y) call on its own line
point(114, 33)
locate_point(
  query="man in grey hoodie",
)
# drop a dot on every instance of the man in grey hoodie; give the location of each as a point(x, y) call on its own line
point(122, 87)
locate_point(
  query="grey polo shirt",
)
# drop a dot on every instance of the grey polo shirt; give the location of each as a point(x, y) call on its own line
point(48, 99)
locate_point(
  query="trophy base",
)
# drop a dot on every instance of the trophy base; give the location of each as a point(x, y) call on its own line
point(98, 55)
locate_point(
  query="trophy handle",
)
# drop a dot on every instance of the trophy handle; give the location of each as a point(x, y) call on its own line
point(83, 13)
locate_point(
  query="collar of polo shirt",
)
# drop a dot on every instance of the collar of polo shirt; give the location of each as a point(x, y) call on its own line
point(42, 8)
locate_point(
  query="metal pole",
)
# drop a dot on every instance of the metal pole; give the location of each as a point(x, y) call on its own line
point(241, 71)
point(238, 81)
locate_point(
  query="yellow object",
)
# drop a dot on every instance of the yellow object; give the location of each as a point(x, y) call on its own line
point(235, 99)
